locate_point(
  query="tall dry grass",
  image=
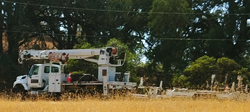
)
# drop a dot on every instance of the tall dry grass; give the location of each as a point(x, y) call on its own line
point(120, 104)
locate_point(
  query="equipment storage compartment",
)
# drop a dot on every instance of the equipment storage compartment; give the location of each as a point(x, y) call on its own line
point(55, 80)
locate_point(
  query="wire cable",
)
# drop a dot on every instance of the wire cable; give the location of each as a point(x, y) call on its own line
point(50, 33)
point(200, 39)
point(119, 11)
point(167, 38)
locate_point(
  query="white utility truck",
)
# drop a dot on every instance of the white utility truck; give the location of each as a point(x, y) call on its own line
point(52, 77)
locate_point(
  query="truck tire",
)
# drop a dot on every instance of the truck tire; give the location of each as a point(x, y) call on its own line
point(19, 91)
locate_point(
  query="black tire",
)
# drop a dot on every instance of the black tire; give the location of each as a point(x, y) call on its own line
point(19, 91)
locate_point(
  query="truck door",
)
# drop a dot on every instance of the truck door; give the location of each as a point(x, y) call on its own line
point(55, 79)
point(33, 77)
point(45, 75)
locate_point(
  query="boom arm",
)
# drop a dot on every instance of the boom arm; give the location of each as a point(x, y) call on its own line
point(107, 56)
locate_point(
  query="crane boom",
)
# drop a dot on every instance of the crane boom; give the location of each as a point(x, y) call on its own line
point(106, 55)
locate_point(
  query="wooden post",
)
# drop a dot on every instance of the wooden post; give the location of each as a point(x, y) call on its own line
point(105, 85)
point(212, 81)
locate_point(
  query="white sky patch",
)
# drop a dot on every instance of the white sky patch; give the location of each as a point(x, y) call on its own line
point(144, 59)
point(248, 22)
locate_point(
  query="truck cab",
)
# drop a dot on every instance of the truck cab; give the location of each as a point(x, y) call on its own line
point(38, 76)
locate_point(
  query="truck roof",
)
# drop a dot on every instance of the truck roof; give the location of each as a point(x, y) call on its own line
point(47, 64)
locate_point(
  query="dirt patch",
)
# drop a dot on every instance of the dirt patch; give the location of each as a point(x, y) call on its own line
point(35, 43)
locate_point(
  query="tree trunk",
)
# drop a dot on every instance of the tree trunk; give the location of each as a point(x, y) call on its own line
point(13, 46)
point(1, 33)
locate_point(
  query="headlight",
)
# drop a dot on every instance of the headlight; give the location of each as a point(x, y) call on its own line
point(18, 78)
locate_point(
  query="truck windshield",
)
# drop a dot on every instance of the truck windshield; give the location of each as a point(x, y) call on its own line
point(34, 70)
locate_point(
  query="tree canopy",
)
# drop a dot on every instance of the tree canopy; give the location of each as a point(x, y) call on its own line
point(171, 34)
point(225, 69)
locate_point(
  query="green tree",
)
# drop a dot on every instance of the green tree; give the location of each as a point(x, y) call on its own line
point(217, 23)
point(226, 67)
point(180, 81)
point(167, 26)
point(201, 70)
point(131, 25)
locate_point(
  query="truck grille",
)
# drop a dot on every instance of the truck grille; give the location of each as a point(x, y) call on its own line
point(34, 80)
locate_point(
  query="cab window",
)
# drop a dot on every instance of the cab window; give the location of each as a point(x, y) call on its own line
point(34, 70)
point(54, 69)
point(46, 69)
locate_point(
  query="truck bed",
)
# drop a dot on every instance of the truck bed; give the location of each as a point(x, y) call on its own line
point(83, 83)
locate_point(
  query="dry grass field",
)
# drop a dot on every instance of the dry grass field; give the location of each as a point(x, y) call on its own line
point(123, 105)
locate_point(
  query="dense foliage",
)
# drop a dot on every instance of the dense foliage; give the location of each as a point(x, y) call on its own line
point(172, 34)
point(225, 69)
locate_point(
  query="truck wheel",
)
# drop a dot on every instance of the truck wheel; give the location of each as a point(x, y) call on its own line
point(19, 91)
